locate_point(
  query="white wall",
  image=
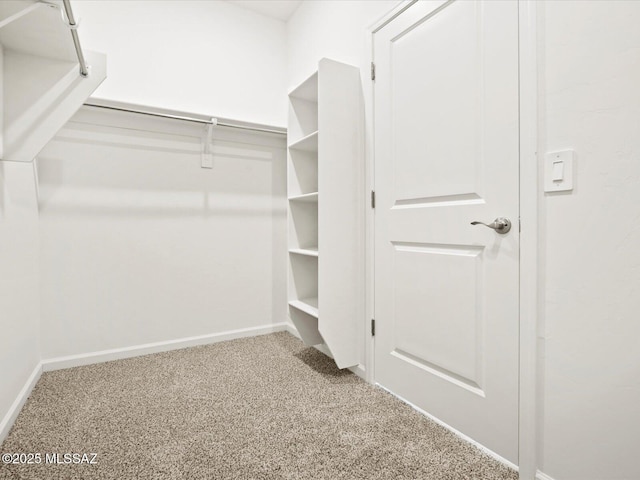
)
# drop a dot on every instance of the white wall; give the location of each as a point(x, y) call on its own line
point(336, 30)
point(139, 244)
point(19, 307)
point(208, 57)
point(590, 78)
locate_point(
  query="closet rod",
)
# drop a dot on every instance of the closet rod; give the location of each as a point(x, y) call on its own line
point(73, 26)
point(186, 118)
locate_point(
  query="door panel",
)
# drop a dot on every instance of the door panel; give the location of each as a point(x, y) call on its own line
point(446, 154)
point(438, 336)
point(440, 48)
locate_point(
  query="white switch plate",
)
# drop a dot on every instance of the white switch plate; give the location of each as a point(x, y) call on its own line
point(558, 162)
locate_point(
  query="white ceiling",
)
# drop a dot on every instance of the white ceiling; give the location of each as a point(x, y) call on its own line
point(280, 9)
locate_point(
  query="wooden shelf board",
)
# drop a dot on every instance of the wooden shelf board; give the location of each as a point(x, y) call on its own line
point(306, 144)
point(306, 305)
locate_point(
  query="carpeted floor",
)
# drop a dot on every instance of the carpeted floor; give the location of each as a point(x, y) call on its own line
point(258, 408)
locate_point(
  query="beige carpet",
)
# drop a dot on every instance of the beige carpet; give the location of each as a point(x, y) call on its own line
point(258, 408)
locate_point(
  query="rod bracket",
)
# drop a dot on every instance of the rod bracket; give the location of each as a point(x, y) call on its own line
point(207, 155)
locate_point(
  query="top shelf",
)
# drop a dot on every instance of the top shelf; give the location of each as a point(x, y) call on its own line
point(37, 29)
point(42, 82)
point(307, 90)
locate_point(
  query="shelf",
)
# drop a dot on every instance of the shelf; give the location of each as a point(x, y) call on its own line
point(40, 77)
point(306, 305)
point(307, 326)
point(35, 29)
point(309, 251)
point(306, 198)
point(307, 90)
point(302, 172)
point(306, 144)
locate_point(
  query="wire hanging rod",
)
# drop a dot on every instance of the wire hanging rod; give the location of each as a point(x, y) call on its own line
point(187, 118)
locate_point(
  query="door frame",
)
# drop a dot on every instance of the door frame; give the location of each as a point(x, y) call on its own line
point(528, 183)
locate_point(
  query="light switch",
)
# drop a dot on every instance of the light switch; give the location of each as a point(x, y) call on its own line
point(558, 171)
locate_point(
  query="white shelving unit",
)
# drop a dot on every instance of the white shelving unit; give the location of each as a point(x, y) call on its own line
point(326, 201)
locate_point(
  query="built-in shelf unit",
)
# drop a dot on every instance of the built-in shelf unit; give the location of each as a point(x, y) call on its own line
point(326, 206)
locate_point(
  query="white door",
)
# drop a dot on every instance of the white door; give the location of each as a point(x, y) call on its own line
point(446, 154)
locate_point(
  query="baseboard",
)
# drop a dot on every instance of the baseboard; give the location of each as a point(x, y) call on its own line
point(79, 360)
point(14, 410)
point(467, 439)
point(359, 369)
point(542, 476)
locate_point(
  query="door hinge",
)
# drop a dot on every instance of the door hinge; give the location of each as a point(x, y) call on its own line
point(373, 327)
point(373, 199)
point(373, 71)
